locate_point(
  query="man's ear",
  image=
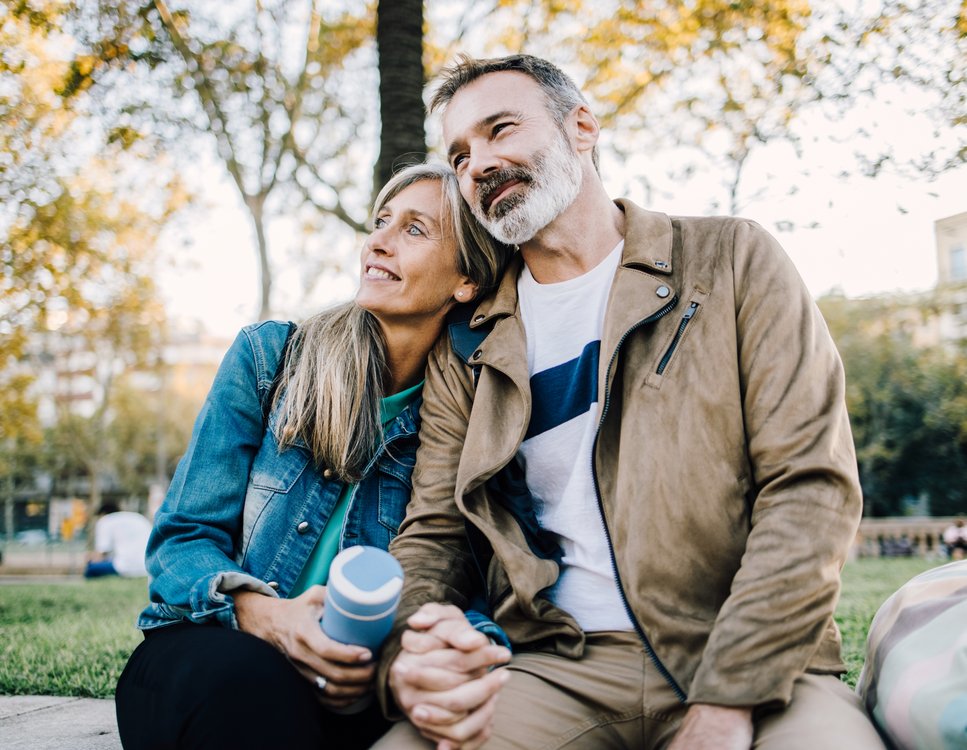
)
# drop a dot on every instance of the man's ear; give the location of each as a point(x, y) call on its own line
point(585, 128)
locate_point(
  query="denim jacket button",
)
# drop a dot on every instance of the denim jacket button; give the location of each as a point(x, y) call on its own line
point(273, 585)
point(327, 474)
point(303, 527)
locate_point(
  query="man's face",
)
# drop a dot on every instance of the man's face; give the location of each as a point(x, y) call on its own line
point(517, 170)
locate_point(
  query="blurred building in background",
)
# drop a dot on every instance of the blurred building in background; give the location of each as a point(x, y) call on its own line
point(70, 380)
point(930, 318)
point(951, 237)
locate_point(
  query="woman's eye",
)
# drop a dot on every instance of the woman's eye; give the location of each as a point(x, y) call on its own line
point(379, 222)
point(414, 230)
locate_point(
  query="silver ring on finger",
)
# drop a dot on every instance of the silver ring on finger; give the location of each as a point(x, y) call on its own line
point(321, 682)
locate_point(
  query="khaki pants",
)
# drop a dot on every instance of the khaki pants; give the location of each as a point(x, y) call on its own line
point(614, 697)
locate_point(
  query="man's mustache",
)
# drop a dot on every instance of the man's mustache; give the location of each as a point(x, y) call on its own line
point(488, 186)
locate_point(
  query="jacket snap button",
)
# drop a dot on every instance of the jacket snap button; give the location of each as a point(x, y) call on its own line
point(662, 291)
point(478, 318)
point(476, 354)
point(303, 527)
point(273, 584)
point(327, 474)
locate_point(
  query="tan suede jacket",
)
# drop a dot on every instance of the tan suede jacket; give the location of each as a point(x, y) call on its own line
point(724, 466)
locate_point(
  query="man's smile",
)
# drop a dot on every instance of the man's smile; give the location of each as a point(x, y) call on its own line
point(497, 193)
point(498, 185)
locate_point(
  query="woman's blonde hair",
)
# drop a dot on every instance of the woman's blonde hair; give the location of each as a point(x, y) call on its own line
point(331, 383)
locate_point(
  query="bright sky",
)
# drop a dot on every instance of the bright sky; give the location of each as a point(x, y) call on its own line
point(871, 235)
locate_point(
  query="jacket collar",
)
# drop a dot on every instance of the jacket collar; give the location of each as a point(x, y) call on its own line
point(649, 240)
point(504, 301)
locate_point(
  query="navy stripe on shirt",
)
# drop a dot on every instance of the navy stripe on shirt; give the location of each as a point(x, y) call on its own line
point(564, 391)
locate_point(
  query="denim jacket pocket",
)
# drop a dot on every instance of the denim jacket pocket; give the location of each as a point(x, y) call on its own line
point(395, 485)
point(273, 474)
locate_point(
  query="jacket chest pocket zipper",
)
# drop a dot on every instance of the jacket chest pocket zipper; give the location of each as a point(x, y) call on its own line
point(682, 325)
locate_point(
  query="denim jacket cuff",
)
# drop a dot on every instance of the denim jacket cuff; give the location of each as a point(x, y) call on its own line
point(210, 597)
point(488, 627)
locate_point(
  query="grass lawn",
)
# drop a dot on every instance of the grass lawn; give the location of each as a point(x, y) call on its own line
point(68, 638)
point(74, 638)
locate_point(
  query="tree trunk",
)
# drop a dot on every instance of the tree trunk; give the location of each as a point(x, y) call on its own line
point(399, 41)
point(93, 501)
point(8, 506)
point(256, 204)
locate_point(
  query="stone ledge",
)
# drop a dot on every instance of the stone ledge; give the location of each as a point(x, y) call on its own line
point(40, 722)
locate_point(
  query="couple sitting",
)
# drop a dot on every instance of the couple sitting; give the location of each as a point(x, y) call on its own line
point(623, 451)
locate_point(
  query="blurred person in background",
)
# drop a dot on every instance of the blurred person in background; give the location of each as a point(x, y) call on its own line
point(303, 447)
point(120, 539)
point(955, 539)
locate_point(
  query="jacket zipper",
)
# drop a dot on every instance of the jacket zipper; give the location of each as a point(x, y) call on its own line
point(686, 319)
point(662, 669)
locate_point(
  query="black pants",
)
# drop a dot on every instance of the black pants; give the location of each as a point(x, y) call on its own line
point(198, 686)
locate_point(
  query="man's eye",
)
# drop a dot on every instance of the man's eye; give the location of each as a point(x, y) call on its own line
point(500, 126)
point(458, 161)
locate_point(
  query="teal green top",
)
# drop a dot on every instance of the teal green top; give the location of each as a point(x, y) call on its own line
point(316, 569)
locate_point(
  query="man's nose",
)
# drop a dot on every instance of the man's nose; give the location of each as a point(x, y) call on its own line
point(482, 162)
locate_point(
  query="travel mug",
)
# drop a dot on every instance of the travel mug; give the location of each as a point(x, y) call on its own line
point(363, 592)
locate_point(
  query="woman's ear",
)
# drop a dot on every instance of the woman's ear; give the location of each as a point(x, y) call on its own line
point(466, 291)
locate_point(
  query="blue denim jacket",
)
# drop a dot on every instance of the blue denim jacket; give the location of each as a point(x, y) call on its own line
point(240, 513)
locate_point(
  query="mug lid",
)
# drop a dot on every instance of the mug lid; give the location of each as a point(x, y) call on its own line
point(366, 575)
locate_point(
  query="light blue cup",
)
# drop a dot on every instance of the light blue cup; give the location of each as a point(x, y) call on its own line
point(363, 592)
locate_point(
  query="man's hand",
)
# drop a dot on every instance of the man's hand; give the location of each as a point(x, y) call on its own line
point(714, 728)
point(292, 626)
point(442, 679)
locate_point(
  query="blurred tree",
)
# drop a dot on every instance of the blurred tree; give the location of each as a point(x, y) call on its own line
point(20, 447)
point(278, 89)
point(907, 405)
point(80, 213)
point(276, 86)
point(288, 91)
point(120, 442)
point(713, 80)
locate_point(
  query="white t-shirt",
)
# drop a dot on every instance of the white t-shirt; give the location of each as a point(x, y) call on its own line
point(123, 537)
point(564, 323)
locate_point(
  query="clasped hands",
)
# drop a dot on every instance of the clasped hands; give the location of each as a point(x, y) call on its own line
point(443, 678)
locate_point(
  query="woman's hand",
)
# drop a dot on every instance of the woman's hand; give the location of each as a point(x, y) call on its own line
point(292, 626)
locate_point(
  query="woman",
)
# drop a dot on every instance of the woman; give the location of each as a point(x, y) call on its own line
point(304, 446)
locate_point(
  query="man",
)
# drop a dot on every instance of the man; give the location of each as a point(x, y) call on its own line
point(640, 441)
point(120, 539)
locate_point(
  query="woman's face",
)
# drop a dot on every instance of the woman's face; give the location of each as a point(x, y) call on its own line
point(409, 264)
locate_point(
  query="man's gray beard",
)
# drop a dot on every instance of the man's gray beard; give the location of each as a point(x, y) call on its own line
point(555, 184)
